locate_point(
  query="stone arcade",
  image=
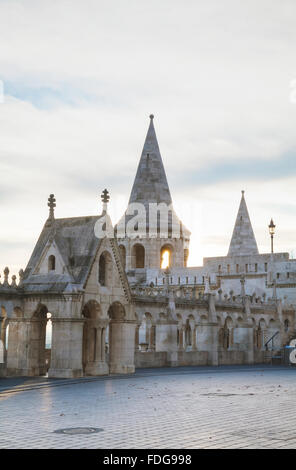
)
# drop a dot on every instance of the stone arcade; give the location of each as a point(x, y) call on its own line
point(114, 305)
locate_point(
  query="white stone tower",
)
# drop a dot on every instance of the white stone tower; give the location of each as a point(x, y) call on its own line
point(157, 242)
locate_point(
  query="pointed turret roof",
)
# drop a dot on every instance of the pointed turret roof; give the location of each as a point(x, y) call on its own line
point(150, 183)
point(243, 240)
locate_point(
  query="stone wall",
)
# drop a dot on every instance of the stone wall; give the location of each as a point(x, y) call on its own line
point(161, 359)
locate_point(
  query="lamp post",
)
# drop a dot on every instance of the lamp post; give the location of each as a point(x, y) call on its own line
point(271, 227)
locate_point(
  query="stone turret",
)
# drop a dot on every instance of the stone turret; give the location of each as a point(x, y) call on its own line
point(159, 235)
point(243, 240)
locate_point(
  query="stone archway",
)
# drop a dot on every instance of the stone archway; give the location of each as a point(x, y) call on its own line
point(4, 327)
point(94, 339)
point(40, 357)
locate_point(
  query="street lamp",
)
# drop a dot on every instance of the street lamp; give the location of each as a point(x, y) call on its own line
point(271, 227)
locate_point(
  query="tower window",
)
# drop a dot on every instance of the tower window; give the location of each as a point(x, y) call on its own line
point(138, 256)
point(51, 263)
point(165, 257)
point(186, 254)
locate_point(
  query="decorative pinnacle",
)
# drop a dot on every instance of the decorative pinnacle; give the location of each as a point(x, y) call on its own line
point(105, 199)
point(105, 196)
point(51, 204)
point(151, 116)
point(243, 192)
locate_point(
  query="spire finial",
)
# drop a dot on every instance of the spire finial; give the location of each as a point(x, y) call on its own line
point(105, 199)
point(243, 192)
point(151, 117)
point(51, 204)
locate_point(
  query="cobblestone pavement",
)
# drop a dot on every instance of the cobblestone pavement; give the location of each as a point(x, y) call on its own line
point(181, 408)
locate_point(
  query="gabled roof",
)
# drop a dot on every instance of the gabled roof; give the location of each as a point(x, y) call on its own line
point(76, 241)
point(243, 240)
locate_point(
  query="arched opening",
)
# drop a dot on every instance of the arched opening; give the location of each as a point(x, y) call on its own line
point(40, 340)
point(4, 330)
point(188, 335)
point(147, 334)
point(286, 325)
point(94, 331)
point(122, 252)
point(261, 332)
point(227, 333)
point(51, 263)
point(48, 341)
point(105, 269)
point(138, 256)
point(166, 254)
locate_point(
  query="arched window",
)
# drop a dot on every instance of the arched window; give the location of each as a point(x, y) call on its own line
point(102, 270)
point(186, 254)
point(51, 263)
point(286, 325)
point(138, 256)
point(166, 256)
point(122, 252)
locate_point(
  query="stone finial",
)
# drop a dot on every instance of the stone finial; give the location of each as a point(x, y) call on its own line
point(6, 273)
point(105, 199)
point(21, 276)
point(13, 281)
point(207, 285)
point(51, 204)
point(243, 281)
point(151, 117)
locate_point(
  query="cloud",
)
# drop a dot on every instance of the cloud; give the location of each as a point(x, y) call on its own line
point(81, 78)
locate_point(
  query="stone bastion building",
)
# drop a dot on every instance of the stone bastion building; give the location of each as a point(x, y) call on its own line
point(116, 303)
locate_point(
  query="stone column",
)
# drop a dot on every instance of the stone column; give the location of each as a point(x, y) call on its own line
point(24, 350)
point(96, 364)
point(245, 334)
point(66, 349)
point(122, 347)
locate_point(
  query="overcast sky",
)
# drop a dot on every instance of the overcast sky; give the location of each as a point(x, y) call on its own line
point(80, 79)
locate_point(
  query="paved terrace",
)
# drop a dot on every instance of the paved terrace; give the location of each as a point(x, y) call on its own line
point(188, 407)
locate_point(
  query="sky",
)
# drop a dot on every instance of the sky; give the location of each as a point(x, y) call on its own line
point(80, 79)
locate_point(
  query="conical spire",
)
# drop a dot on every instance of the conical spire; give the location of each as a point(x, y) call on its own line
point(150, 183)
point(243, 240)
